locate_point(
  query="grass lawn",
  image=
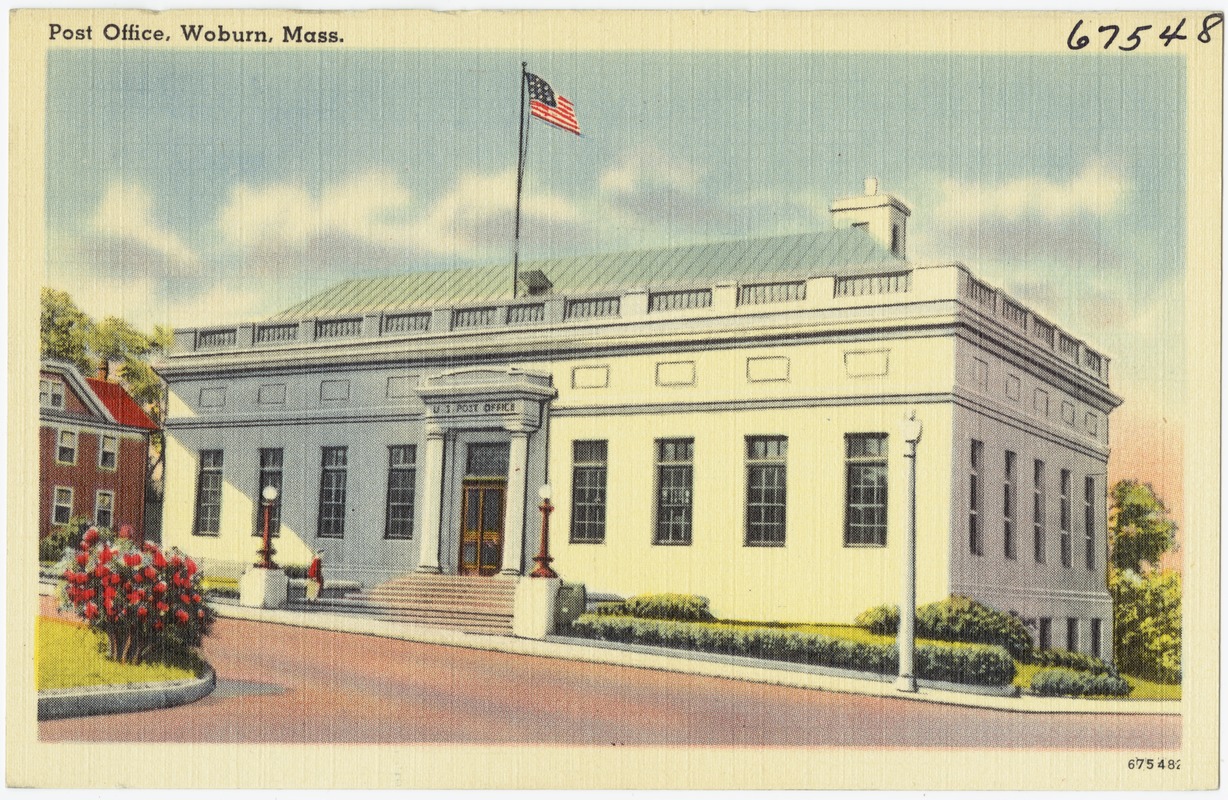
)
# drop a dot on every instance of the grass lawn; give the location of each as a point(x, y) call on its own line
point(209, 582)
point(66, 654)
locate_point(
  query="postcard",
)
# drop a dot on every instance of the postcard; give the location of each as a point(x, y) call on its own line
point(614, 400)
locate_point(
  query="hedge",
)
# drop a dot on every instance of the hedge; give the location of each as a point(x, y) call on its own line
point(1080, 662)
point(983, 665)
point(956, 619)
point(1061, 682)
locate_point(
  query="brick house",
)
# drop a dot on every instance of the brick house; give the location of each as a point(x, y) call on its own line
point(93, 449)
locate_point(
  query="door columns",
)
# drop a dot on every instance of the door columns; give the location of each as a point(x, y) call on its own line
point(432, 501)
point(513, 518)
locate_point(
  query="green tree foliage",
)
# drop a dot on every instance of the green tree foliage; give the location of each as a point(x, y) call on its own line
point(1146, 599)
point(1140, 530)
point(63, 329)
point(1147, 623)
point(114, 340)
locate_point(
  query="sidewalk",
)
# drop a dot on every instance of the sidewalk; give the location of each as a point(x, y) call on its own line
point(706, 664)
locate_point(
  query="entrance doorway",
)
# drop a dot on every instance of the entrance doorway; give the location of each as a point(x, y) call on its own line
point(481, 539)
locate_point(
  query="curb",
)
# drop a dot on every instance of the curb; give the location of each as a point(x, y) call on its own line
point(769, 672)
point(95, 700)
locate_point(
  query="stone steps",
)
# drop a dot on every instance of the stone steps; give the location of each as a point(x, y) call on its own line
point(473, 604)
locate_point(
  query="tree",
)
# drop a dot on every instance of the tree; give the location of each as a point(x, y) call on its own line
point(63, 329)
point(1140, 530)
point(114, 339)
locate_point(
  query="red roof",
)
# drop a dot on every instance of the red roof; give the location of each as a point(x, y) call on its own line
point(121, 405)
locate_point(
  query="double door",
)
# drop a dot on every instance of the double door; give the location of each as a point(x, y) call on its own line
point(481, 539)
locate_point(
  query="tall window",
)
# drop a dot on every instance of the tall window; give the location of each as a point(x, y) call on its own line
point(1089, 521)
point(108, 451)
point(402, 475)
point(104, 508)
point(1009, 495)
point(1038, 510)
point(1065, 518)
point(1072, 634)
point(66, 451)
point(588, 476)
point(976, 538)
point(1045, 640)
point(865, 480)
point(1096, 643)
point(50, 394)
point(209, 493)
point(61, 507)
point(765, 490)
point(331, 522)
point(674, 480)
point(270, 475)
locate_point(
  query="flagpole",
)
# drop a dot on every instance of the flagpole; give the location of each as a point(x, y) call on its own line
point(524, 69)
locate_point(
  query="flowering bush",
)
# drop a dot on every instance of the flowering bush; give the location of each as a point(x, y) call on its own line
point(141, 599)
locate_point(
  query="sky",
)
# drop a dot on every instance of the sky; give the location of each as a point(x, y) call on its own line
point(196, 188)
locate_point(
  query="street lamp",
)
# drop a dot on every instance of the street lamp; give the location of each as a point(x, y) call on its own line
point(910, 431)
point(543, 558)
point(269, 493)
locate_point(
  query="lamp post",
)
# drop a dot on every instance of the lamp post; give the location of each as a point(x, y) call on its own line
point(543, 558)
point(910, 431)
point(269, 493)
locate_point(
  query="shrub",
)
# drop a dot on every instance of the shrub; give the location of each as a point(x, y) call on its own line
point(295, 570)
point(1147, 623)
point(63, 537)
point(1061, 682)
point(618, 609)
point(141, 600)
point(1080, 662)
point(965, 663)
point(669, 606)
point(956, 619)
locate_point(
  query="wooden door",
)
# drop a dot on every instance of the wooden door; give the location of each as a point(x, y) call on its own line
point(481, 539)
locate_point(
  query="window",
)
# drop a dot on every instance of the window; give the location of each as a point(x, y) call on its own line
point(674, 478)
point(1038, 510)
point(66, 451)
point(1089, 521)
point(976, 540)
point(270, 475)
point(487, 460)
point(104, 507)
point(50, 394)
point(209, 493)
point(1065, 518)
point(588, 475)
point(399, 515)
point(61, 507)
point(1096, 639)
point(1072, 634)
point(765, 490)
point(108, 451)
point(331, 522)
point(1009, 495)
point(865, 471)
point(1046, 633)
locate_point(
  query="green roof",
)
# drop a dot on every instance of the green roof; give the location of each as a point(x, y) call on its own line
point(836, 252)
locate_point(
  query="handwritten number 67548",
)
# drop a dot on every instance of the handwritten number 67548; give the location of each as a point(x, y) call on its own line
point(1077, 41)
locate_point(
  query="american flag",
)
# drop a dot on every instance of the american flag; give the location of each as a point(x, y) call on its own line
point(550, 107)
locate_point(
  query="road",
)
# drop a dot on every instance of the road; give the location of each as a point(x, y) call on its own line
point(283, 684)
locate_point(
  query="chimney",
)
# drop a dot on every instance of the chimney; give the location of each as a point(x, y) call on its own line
point(883, 217)
point(101, 374)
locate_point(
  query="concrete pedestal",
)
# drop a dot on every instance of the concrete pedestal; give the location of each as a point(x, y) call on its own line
point(533, 613)
point(263, 588)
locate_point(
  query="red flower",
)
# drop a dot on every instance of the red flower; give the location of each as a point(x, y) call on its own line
point(159, 560)
point(91, 536)
point(176, 561)
point(183, 598)
point(157, 624)
point(132, 559)
point(83, 558)
point(106, 555)
point(151, 573)
point(191, 565)
point(181, 617)
point(159, 587)
point(127, 586)
point(88, 594)
point(133, 598)
point(91, 610)
point(142, 612)
point(101, 571)
point(108, 593)
point(163, 607)
point(195, 598)
point(115, 578)
point(137, 577)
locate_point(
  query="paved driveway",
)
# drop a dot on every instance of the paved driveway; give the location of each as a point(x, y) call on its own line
point(279, 683)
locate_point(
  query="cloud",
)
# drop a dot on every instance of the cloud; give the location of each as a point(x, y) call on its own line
point(372, 219)
point(647, 187)
point(1096, 190)
point(128, 236)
